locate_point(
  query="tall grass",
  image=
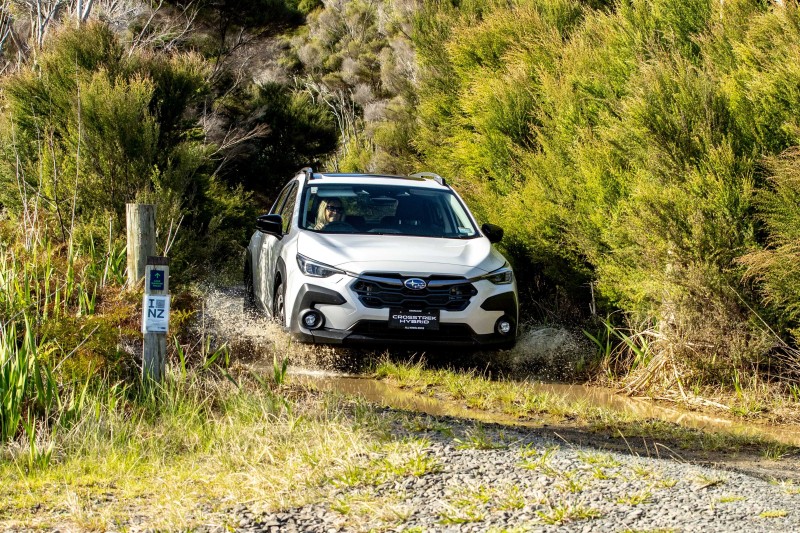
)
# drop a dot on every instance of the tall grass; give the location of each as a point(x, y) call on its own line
point(193, 447)
point(123, 454)
point(48, 282)
point(46, 287)
point(202, 435)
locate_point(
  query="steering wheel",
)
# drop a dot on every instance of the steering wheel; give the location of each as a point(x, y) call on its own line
point(339, 226)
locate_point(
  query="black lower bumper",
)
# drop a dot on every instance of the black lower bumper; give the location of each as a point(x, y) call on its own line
point(378, 333)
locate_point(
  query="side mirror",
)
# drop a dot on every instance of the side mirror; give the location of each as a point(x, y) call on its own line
point(492, 232)
point(271, 224)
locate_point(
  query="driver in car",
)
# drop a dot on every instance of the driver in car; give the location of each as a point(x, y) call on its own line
point(330, 210)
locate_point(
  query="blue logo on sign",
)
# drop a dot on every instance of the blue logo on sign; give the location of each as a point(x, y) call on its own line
point(415, 284)
point(156, 280)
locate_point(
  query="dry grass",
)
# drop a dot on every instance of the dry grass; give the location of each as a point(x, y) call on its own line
point(217, 445)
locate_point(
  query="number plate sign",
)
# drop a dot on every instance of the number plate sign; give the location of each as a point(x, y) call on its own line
point(414, 319)
point(155, 314)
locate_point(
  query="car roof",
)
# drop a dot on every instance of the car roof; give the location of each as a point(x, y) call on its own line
point(422, 179)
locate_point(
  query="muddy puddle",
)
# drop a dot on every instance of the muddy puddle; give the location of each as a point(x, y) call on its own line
point(387, 395)
point(541, 348)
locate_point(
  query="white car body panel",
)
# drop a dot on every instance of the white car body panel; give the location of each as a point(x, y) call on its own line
point(413, 256)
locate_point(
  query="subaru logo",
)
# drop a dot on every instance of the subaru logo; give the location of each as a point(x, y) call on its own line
point(415, 284)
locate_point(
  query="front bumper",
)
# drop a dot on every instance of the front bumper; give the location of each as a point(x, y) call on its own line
point(347, 322)
point(376, 333)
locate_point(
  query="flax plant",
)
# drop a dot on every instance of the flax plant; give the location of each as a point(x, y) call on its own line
point(24, 381)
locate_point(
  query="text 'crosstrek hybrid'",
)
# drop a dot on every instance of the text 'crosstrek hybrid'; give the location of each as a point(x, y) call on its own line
point(362, 258)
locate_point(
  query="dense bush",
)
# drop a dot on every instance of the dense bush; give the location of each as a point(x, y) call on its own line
point(264, 125)
point(356, 57)
point(295, 131)
point(94, 125)
point(621, 148)
point(777, 267)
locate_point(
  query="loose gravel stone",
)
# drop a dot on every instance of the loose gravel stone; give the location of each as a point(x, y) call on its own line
point(535, 483)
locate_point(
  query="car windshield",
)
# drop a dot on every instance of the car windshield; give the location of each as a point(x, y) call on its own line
point(385, 209)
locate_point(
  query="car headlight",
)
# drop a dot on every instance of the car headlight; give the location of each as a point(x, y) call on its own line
point(315, 269)
point(502, 276)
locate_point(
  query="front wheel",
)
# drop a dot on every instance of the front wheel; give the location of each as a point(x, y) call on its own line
point(279, 304)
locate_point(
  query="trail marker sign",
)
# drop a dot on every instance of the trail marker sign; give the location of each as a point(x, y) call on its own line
point(155, 314)
point(156, 280)
point(155, 317)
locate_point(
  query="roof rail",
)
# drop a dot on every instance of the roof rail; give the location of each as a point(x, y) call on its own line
point(436, 177)
point(308, 171)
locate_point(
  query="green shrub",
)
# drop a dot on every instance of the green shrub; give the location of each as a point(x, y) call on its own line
point(298, 131)
point(94, 126)
point(776, 268)
point(356, 58)
point(620, 148)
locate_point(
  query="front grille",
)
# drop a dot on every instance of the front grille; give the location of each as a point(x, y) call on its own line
point(382, 290)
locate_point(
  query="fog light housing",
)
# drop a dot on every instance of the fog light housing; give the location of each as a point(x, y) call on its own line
point(503, 326)
point(312, 319)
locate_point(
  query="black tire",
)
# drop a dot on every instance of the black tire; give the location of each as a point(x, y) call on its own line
point(279, 304)
point(249, 291)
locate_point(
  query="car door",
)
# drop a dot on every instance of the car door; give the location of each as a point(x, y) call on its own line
point(259, 255)
point(272, 246)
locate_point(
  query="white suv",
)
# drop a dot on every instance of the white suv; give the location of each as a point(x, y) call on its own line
point(362, 258)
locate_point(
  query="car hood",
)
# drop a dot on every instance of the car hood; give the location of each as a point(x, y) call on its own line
point(396, 253)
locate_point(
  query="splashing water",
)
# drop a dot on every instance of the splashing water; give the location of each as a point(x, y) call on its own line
point(545, 352)
point(253, 337)
point(249, 335)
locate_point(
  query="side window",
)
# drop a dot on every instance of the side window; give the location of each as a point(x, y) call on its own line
point(276, 207)
point(287, 209)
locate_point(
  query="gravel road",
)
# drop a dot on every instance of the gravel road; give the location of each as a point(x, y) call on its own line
point(536, 482)
point(494, 478)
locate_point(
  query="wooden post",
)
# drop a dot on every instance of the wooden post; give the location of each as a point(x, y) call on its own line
point(141, 225)
point(155, 318)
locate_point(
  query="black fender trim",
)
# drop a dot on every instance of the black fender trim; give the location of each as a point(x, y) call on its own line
point(505, 302)
point(307, 297)
point(280, 273)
